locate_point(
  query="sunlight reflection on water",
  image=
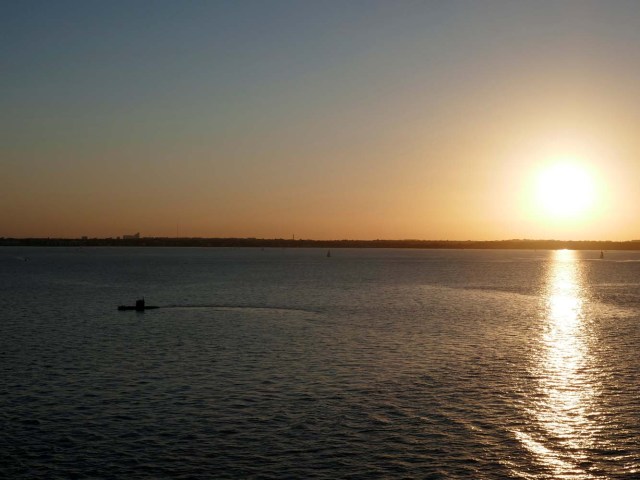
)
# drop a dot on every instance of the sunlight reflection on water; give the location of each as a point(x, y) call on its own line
point(564, 416)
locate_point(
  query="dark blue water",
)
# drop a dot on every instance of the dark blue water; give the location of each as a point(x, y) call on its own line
point(284, 363)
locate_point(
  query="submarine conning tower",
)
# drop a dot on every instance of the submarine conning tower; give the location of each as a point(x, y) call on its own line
point(140, 304)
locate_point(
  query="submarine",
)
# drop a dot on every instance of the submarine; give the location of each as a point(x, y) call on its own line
point(138, 307)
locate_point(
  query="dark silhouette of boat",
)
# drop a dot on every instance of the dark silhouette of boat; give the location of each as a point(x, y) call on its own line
point(138, 307)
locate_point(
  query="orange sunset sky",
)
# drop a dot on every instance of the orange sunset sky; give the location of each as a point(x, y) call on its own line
point(328, 120)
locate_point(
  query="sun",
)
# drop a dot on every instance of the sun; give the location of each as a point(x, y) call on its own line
point(565, 191)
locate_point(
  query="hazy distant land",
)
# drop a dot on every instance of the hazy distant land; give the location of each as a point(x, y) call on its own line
point(523, 244)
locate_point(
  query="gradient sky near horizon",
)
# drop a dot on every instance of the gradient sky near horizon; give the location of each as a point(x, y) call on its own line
point(327, 120)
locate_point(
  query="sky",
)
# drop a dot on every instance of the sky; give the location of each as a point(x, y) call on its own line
point(325, 120)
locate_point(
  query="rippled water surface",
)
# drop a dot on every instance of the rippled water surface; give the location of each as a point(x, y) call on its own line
point(284, 363)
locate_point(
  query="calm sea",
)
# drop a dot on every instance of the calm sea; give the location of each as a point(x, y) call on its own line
point(283, 363)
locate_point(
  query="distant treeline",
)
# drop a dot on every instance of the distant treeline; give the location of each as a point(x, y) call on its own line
point(522, 244)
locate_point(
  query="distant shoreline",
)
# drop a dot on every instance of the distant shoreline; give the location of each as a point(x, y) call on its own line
point(302, 243)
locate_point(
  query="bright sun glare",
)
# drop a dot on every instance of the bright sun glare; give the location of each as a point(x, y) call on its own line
point(565, 191)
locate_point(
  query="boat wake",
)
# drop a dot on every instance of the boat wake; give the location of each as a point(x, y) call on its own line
point(238, 307)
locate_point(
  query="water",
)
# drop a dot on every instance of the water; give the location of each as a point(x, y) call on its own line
point(283, 363)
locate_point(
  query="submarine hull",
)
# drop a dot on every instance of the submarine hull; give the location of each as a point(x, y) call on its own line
point(139, 309)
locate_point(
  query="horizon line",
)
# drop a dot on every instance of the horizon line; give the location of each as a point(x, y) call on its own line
point(298, 240)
